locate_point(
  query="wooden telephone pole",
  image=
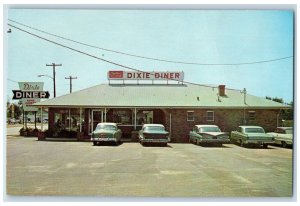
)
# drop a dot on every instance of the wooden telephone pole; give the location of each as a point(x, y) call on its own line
point(70, 78)
point(53, 66)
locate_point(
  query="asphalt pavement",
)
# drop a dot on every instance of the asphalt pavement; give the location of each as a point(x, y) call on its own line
point(72, 168)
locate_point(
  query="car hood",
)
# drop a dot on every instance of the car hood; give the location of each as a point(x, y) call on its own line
point(215, 133)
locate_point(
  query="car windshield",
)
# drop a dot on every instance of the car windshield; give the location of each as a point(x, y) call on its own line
point(289, 131)
point(154, 128)
point(108, 127)
point(254, 130)
point(210, 129)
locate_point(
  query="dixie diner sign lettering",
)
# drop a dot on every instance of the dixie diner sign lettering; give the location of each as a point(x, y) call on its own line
point(30, 93)
point(127, 75)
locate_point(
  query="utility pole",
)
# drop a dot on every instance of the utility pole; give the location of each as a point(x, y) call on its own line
point(53, 66)
point(245, 93)
point(70, 77)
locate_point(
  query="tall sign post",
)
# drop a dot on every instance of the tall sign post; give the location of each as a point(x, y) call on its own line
point(30, 93)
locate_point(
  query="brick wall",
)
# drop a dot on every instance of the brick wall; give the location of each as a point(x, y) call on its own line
point(226, 119)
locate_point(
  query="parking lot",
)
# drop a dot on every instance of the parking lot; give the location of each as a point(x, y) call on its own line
point(129, 169)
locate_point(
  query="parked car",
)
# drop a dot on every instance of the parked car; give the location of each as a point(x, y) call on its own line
point(283, 136)
point(154, 133)
point(256, 135)
point(106, 132)
point(208, 134)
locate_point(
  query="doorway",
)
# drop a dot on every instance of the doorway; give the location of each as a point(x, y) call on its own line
point(97, 117)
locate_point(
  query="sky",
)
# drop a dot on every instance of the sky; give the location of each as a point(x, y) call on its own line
point(198, 36)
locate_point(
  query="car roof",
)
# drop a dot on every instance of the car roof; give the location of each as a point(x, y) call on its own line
point(153, 125)
point(206, 125)
point(250, 126)
point(107, 123)
point(285, 128)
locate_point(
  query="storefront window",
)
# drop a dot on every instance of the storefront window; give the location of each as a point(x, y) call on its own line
point(123, 117)
point(67, 120)
point(144, 117)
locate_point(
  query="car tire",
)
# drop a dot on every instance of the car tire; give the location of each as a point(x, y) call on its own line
point(283, 144)
point(94, 143)
point(265, 146)
point(241, 142)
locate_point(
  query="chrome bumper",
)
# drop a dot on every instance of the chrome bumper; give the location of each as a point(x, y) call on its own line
point(100, 139)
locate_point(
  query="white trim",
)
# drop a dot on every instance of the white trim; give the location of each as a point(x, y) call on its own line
point(165, 107)
point(41, 119)
point(135, 118)
point(170, 124)
point(69, 120)
point(80, 119)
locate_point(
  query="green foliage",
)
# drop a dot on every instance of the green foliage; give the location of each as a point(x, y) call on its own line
point(17, 110)
point(287, 114)
point(275, 99)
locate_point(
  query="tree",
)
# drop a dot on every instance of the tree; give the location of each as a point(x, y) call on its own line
point(275, 99)
point(9, 110)
point(287, 114)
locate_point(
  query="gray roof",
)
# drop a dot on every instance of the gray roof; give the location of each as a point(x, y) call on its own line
point(175, 96)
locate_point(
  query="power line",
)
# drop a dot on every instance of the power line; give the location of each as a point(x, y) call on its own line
point(12, 80)
point(151, 58)
point(93, 56)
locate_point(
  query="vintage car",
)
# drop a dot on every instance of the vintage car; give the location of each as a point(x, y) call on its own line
point(154, 133)
point(283, 136)
point(208, 134)
point(246, 135)
point(106, 132)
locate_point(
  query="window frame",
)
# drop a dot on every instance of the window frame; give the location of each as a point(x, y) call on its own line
point(193, 116)
point(251, 115)
point(213, 116)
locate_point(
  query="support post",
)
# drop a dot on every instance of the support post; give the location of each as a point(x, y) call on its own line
point(42, 118)
point(170, 123)
point(69, 120)
point(35, 120)
point(134, 118)
point(80, 119)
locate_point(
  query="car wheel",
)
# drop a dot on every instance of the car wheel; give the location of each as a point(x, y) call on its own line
point(241, 143)
point(283, 144)
point(265, 146)
point(94, 143)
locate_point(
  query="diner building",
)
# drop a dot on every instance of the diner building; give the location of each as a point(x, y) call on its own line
point(177, 106)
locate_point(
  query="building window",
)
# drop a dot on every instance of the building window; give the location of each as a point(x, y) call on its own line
point(144, 117)
point(251, 115)
point(190, 115)
point(123, 117)
point(210, 116)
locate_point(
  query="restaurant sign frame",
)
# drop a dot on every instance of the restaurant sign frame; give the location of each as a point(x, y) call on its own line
point(128, 75)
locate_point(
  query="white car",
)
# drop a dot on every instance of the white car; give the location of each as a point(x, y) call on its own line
point(283, 136)
point(208, 134)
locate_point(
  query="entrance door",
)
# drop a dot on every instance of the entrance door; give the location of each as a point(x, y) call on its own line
point(97, 117)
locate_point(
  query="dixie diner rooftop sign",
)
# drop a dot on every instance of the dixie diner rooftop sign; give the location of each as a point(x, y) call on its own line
point(127, 75)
